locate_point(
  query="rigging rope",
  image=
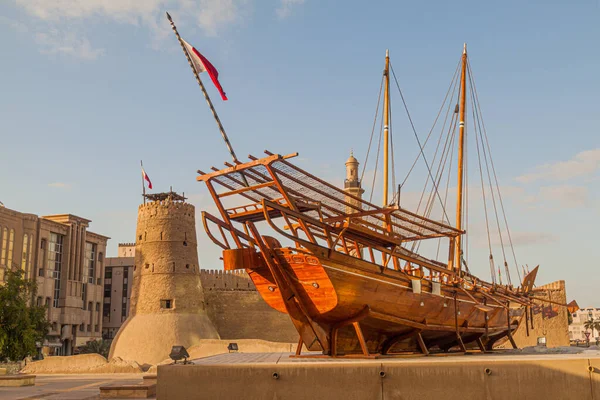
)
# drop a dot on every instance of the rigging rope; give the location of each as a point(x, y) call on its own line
point(442, 163)
point(372, 130)
point(477, 127)
point(417, 137)
point(452, 142)
point(487, 225)
point(495, 176)
point(426, 184)
point(376, 161)
point(435, 121)
point(447, 150)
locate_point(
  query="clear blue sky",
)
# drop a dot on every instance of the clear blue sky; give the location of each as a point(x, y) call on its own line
point(91, 87)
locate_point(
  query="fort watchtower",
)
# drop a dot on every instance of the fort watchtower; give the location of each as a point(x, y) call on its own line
point(167, 300)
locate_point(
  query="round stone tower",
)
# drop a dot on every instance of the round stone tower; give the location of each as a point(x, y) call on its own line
point(167, 301)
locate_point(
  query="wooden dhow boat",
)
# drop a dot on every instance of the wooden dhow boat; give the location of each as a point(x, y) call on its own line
point(342, 267)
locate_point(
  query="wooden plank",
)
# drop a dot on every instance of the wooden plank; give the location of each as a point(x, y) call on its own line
point(246, 189)
point(241, 167)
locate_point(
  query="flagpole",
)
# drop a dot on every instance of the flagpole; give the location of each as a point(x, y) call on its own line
point(207, 97)
point(143, 185)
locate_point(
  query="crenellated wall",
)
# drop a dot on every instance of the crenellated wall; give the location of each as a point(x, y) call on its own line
point(226, 280)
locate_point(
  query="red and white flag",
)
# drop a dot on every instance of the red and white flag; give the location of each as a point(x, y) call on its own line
point(146, 178)
point(201, 64)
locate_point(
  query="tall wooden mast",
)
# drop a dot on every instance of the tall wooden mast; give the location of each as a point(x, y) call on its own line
point(461, 142)
point(386, 127)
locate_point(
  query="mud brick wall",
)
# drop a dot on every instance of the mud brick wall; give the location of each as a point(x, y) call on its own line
point(549, 320)
point(238, 312)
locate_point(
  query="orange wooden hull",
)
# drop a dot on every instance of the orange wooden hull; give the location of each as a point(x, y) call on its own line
point(342, 288)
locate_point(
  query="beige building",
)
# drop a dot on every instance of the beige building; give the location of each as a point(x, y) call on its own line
point(577, 329)
point(118, 280)
point(67, 262)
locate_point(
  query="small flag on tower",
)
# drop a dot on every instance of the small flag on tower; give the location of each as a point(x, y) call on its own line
point(201, 64)
point(146, 178)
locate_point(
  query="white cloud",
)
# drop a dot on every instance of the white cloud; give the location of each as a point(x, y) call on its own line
point(524, 238)
point(60, 185)
point(211, 16)
point(56, 42)
point(285, 7)
point(583, 164)
point(565, 195)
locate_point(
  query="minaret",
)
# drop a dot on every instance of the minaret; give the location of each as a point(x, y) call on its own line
point(167, 300)
point(352, 182)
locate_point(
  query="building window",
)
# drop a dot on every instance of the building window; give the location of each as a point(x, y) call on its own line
point(89, 328)
point(166, 303)
point(90, 260)
point(55, 251)
point(31, 271)
point(108, 273)
point(11, 244)
point(106, 310)
point(81, 327)
point(4, 243)
point(24, 258)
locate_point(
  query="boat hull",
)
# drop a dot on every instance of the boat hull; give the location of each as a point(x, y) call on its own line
point(347, 297)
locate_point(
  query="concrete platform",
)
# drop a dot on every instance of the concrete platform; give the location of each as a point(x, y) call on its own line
point(67, 387)
point(17, 380)
point(473, 376)
point(142, 390)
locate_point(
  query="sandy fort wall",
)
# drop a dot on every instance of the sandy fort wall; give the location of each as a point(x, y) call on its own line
point(238, 312)
point(549, 320)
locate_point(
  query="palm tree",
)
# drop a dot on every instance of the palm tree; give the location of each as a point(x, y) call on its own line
point(592, 324)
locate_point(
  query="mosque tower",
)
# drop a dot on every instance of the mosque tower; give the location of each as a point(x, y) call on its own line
point(167, 300)
point(352, 182)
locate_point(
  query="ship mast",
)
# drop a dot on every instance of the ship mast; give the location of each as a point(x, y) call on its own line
point(461, 142)
point(386, 125)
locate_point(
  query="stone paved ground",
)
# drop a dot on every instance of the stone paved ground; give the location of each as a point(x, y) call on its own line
point(67, 387)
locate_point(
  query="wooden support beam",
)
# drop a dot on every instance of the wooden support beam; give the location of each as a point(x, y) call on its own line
point(481, 346)
point(299, 347)
point(361, 338)
point(422, 345)
point(509, 333)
